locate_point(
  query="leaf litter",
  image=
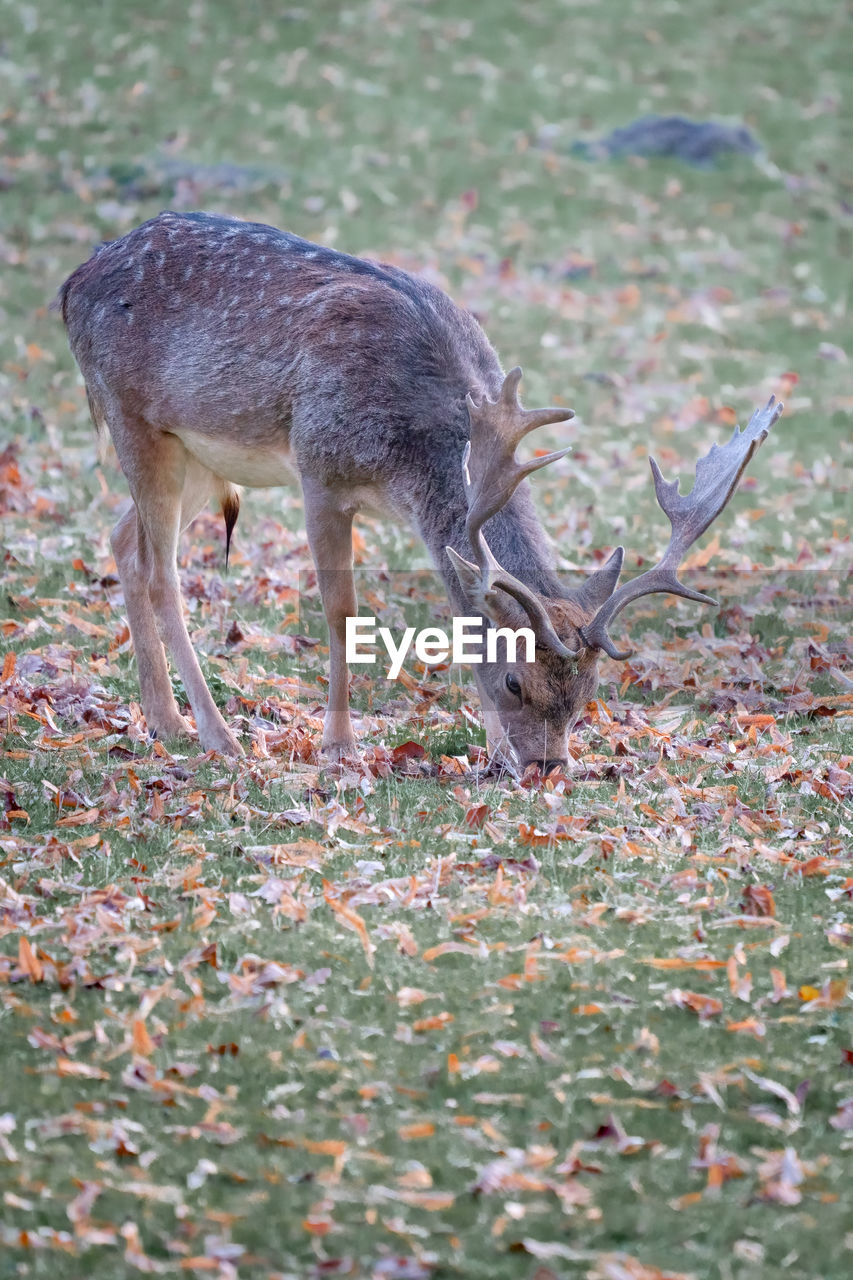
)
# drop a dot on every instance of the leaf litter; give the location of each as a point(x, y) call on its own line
point(404, 1019)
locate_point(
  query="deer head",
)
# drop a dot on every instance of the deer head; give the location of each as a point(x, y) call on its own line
point(535, 705)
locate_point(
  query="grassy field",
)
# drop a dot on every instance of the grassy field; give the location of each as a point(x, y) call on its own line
point(404, 1021)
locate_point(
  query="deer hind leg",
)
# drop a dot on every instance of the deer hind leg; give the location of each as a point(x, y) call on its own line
point(162, 716)
point(329, 528)
point(169, 488)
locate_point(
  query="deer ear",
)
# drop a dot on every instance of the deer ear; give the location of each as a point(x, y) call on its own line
point(467, 573)
point(495, 600)
point(600, 585)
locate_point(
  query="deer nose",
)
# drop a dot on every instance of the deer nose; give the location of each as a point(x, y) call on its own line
point(548, 766)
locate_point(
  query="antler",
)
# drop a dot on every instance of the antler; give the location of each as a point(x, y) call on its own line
point(717, 475)
point(492, 474)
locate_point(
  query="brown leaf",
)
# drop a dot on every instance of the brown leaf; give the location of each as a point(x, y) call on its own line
point(703, 1006)
point(29, 961)
point(476, 815)
point(350, 918)
point(79, 819)
point(757, 900)
point(68, 1067)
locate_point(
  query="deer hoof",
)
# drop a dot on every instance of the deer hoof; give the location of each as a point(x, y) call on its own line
point(174, 726)
point(223, 741)
point(335, 752)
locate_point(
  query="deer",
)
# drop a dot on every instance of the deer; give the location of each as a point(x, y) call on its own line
point(223, 354)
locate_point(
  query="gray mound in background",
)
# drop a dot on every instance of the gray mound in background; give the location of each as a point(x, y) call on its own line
point(698, 142)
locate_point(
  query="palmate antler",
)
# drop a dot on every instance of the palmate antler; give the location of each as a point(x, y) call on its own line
point(492, 474)
point(717, 475)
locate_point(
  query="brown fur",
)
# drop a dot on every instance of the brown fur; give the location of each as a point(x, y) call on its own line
point(223, 353)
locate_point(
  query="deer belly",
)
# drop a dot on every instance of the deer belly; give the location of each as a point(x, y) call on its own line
point(256, 466)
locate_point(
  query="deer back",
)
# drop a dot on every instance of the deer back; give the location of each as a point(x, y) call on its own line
point(251, 336)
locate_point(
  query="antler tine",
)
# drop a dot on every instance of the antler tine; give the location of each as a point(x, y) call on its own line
point(515, 421)
point(492, 473)
point(717, 476)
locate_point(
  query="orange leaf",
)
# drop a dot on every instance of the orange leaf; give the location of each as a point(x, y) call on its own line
point(528, 834)
point(757, 721)
point(143, 1045)
point(532, 970)
point(121, 637)
point(8, 666)
point(84, 1070)
point(350, 917)
point(511, 981)
point(359, 546)
point(326, 1147)
point(316, 1226)
point(753, 1025)
point(432, 1201)
point(699, 559)
point(407, 996)
point(832, 993)
point(685, 1201)
point(703, 1006)
point(435, 1023)
point(29, 961)
point(780, 987)
point(444, 948)
point(816, 866)
point(410, 1131)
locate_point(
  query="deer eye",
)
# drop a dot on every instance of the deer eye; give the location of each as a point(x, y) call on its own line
point(512, 683)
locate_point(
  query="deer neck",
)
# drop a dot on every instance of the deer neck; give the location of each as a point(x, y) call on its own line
point(515, 536)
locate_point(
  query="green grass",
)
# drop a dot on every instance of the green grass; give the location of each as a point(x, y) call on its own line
point(216, 1073)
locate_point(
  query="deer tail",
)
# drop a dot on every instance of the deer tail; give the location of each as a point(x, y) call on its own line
point(229, 500)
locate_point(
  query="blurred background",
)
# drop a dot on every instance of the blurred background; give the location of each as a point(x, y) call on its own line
point(658, 295)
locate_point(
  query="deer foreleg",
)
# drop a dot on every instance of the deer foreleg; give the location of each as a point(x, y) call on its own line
point(329, 528)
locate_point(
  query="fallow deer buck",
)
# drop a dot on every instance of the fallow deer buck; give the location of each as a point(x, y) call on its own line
point(222, 353)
